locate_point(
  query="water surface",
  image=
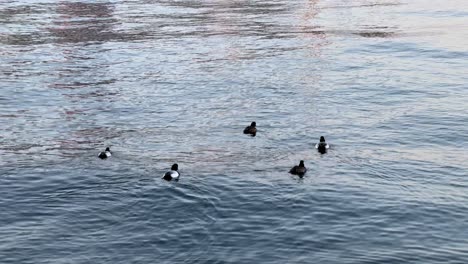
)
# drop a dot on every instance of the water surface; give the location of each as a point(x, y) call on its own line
point(177, 81)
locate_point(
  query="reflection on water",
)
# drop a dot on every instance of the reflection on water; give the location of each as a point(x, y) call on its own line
point(83, 22)
point(177, 81)
point(375, 34)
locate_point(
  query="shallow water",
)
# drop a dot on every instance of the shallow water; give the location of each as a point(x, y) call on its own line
point(177, 81)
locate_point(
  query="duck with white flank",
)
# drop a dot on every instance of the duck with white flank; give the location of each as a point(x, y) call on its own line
point(105, 154)
point(322, 146)
point(173, 174)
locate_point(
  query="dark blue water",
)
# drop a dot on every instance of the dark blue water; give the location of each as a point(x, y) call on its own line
point(177, 81)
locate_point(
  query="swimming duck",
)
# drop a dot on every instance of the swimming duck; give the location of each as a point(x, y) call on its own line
point(105, 154)
point(322, 146)
point(252, 129)
point(299, 169)
point(173, 174)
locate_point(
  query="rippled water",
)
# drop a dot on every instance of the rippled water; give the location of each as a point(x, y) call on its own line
point(177, 81)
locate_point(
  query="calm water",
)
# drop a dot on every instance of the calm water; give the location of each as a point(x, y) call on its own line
point(164, 81)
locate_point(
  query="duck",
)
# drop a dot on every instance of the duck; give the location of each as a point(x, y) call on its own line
point(322, 146)
point(173, 174)
point(105, 154)
point(252, 129)
point(299, 169)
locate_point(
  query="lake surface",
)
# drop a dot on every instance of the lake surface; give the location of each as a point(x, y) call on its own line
point(177, 81)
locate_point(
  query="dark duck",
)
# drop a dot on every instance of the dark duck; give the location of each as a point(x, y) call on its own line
point(173, 174)
point(251, 130)
point(299, 169)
